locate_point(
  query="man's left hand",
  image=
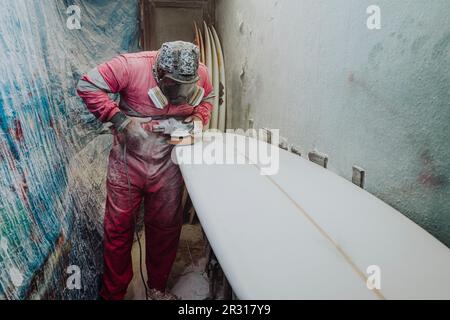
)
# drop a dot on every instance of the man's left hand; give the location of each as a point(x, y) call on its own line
point(198, 123)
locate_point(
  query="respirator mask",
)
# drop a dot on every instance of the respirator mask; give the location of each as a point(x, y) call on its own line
point(176, 73)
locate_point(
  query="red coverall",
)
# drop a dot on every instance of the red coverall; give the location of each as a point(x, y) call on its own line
point(154, 178)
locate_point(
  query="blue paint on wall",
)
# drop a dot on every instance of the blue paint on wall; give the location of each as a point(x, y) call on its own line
point(44, 224)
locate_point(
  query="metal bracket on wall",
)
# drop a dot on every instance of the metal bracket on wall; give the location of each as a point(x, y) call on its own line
point(318, 158)
point(296, 150)
point(267, 135)
point(251, 131)
point(359, 176)
point(271, 136)
point(251, 124)
point(284, 144)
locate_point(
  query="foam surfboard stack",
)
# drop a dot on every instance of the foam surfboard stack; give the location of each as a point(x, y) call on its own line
point(212, 56)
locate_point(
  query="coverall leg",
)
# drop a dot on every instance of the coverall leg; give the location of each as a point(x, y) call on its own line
point(154, 178)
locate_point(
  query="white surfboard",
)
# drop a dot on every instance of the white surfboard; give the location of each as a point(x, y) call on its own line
point(208, 58)
point(199, 42)
point(222, 83)
point(306, 233)
point(215, 81)
point(196, 38)
point(202, 46)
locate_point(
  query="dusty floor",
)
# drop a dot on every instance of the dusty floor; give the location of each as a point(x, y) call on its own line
point(188, 279)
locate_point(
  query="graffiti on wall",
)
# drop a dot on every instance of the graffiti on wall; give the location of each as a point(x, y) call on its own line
point(50, 203)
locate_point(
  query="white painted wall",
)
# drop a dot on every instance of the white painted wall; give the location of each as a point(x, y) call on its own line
point(379, 99)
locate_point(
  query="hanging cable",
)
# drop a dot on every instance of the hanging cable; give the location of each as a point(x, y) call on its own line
point(135, 219)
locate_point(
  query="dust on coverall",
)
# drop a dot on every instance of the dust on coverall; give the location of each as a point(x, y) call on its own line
point(154, 178)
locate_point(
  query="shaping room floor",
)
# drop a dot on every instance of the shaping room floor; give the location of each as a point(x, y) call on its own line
point(188, 279)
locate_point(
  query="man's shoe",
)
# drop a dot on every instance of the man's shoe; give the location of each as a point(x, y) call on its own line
point(154, 294)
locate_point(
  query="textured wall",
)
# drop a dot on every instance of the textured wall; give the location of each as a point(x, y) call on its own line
point(174, 24)
point(52, 162)
point(379, 99)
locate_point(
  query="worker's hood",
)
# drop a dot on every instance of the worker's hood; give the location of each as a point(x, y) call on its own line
point(176, 71)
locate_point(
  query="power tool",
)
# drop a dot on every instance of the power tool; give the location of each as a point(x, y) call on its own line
point(181, 133)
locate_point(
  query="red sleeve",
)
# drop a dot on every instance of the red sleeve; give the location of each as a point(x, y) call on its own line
point(93, 88)
point(204, 109)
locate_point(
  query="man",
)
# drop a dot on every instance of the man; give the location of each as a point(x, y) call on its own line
point(154, 87)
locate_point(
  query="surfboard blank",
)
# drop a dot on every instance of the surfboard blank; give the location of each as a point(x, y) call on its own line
point(212, 57)
point(306, 233)
point(221, 90)
point(199, 42)
point(214, 79)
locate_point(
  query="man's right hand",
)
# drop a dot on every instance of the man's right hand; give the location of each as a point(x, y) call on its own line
point(134, 129)
point(135, 136)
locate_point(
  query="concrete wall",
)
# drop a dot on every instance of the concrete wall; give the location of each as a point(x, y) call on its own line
point(379, 99)
point(173, 24)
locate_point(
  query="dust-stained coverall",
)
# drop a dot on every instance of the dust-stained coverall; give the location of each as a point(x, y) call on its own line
point(154, 178)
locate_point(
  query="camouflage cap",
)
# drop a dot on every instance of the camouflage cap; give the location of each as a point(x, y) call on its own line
point(179, 61)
